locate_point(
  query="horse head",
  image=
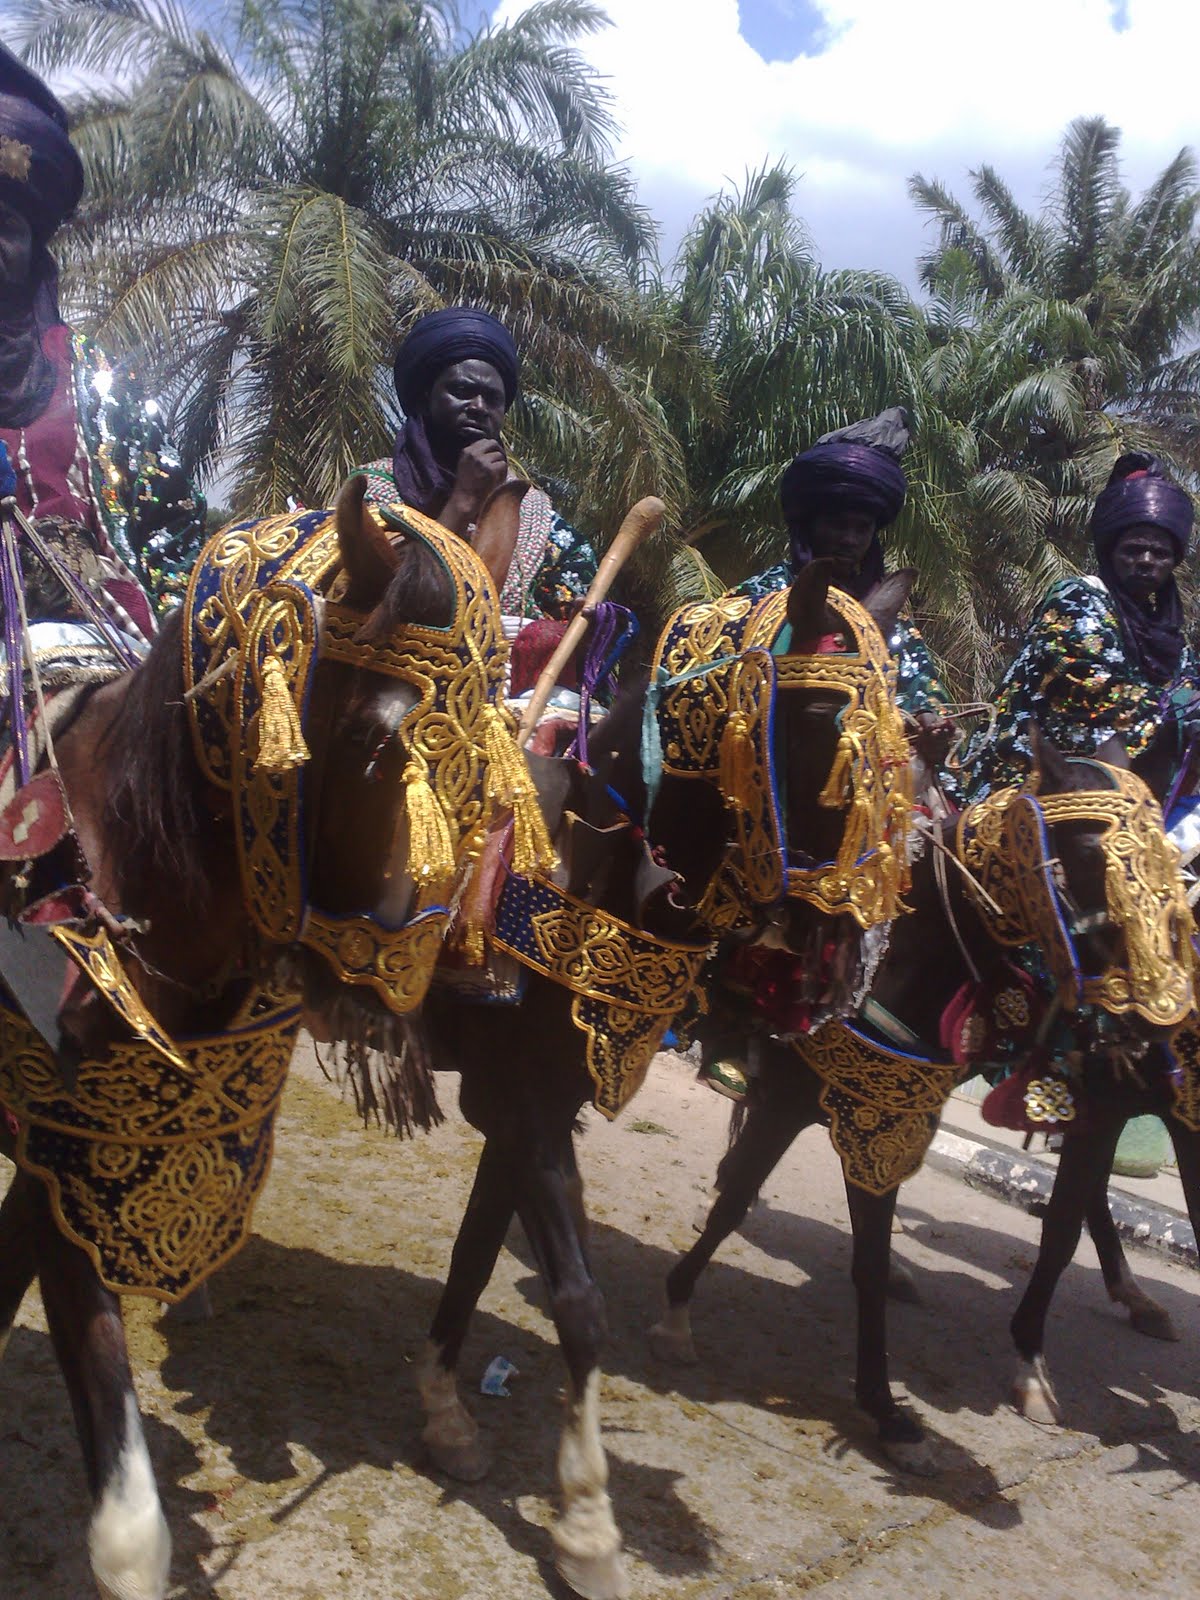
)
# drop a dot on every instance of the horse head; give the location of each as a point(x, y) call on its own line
point(1077, 862)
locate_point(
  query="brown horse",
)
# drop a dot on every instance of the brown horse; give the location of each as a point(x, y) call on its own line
point(169, 851)
point(945, 942)
point(527, 1068)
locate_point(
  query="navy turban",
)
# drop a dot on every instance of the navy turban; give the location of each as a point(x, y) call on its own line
point(1138, 493)
point(444, 338)
point(41, 175)
point(855, 469)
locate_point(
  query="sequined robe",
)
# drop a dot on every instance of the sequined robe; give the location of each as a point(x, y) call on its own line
point(97, 459)
point(1075, 678)
point(552, 565)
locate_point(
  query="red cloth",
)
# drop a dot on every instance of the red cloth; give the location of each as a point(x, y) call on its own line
point(532, 649)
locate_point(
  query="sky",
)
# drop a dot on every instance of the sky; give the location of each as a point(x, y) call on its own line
point(859, 94)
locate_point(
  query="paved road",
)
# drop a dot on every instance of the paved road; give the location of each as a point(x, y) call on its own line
point(285, 1432)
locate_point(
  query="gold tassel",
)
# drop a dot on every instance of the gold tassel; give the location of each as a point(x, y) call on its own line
point(736, 769)
point(509, 784)
point(430, 847)
point(839, 786)
point(280, 737)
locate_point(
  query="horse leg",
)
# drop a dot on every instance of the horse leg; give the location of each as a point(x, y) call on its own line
point(900, 1434)
point(1187, 1157)
point(771, 1125)
point(128, 1541)
point(451, 1434)
point(586, 1538)
point(18, 1260)
point(1085, 1161)
point(1145, 1314)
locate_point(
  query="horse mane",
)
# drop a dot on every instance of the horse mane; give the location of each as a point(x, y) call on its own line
point(156, 794)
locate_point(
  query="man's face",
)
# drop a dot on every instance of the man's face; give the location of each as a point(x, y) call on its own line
point(843, 536)
point(466, 404)
point(1143, 559)
point(16, 247)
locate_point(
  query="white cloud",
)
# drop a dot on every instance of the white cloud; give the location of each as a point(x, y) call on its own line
point(930, 85)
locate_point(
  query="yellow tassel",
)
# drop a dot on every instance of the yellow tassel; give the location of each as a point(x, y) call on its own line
point(430, 847)
point(280, 737)
point(509, 784)
point(736, 770)
point(839, 786)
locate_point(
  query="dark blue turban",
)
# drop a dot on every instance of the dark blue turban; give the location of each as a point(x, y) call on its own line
point(444, 338)
point(1138, 493)
point(856, 468)
point(41, 175)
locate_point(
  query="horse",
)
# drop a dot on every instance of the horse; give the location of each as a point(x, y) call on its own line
point(624, 932)
point(273, 806)
point(881, 1083)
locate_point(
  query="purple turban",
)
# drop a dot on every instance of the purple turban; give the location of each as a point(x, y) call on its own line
point(1139, 492)
point(855, 469)
point(444, 338)
point(41, 175)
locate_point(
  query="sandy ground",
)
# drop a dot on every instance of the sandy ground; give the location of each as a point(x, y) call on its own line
point(285, 1433)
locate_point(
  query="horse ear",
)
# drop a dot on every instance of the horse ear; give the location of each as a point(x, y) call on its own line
point(497, 526)
point(1051, 772)
point(887, 599)
point(1114, 754)
point(368, 555)
point(806, 608)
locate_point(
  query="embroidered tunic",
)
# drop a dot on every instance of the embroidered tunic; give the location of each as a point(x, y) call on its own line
point(917, 685)
point(1076, 680)
point(552, 565)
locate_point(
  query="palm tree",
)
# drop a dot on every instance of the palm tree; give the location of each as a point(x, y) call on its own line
point(1098, 297)
point(272, 199)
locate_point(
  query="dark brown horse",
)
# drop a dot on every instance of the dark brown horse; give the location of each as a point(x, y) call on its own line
point(163, 843)
point(933, 952)
point(525, 1066)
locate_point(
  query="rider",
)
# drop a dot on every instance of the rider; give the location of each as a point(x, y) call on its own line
point(94, 470)
point(1106, 656)
point(837, 498)
point(456, 377)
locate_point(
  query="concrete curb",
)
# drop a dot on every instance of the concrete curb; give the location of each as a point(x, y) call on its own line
point(1025, 1181)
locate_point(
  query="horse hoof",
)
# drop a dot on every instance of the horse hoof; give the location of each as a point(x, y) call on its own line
point(911, 1455)
point(597, 1577)
point(671, 1339)
point(1154, 1321)
point(1033, 1394)
point(464, 1460)
point(902, 1286)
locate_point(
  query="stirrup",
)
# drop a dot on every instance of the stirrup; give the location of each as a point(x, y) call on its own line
point(727, 1078)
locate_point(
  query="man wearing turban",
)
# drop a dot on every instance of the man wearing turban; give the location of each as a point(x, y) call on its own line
point(837, 497)
point(456, 376)
point(1106, 655)
point(94, 469)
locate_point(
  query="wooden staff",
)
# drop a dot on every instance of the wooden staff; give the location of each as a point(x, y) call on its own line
point(642, 521)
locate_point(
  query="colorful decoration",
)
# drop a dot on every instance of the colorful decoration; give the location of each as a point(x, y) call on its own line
point(153, 1166)
point(627, 985)
point(718, 668)
point(883, 1105)
point(1003, 841)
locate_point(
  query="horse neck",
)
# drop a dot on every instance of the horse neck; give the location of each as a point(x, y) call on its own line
point(925, 966)
point(190, 940)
